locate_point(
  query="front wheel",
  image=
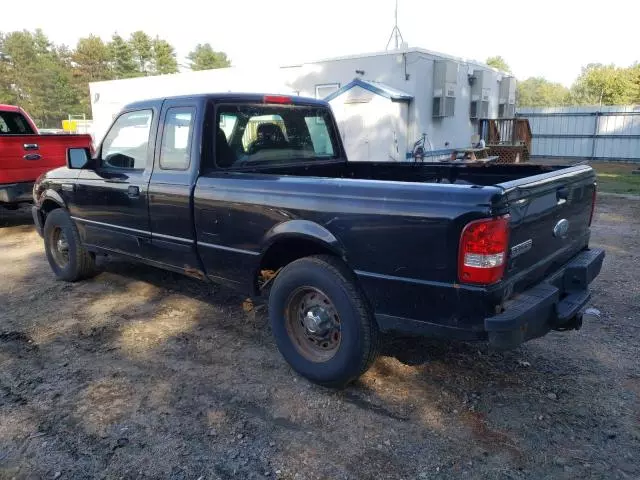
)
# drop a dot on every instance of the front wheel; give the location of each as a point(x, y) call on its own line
point(321, 321)
point(67, 257)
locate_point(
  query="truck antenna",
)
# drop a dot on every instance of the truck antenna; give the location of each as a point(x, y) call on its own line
point(395, 33)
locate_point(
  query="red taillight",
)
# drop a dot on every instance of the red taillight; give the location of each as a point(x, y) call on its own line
point(483, 251)
point(593, 203)
point(276, 99)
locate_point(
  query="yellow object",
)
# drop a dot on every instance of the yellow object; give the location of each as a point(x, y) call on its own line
point(69, 125)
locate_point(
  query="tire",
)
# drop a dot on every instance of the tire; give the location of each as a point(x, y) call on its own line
point(357, 343)
point(80, 264)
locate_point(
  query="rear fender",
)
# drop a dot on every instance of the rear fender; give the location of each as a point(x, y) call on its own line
point(304, 230)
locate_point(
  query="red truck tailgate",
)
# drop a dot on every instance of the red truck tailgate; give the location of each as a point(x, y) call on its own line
point(23, 158)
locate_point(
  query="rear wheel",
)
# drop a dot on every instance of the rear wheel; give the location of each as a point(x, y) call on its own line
point(67, 257)
point(321, 321)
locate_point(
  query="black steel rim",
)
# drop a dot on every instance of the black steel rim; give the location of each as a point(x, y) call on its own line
point(313, 324)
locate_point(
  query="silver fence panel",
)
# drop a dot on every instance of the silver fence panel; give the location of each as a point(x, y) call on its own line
point(597, 133)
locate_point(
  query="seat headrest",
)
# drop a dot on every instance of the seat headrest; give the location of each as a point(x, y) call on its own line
point(270, 131)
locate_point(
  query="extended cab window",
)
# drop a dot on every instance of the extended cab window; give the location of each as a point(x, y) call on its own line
point(176, 138)
point(271, 134)
point(127, 143)
point(13, 123)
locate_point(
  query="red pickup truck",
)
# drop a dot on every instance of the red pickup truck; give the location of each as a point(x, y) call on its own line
point(25, 154)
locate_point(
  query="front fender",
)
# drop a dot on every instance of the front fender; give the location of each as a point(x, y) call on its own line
point(51, 195)
point(304, 230)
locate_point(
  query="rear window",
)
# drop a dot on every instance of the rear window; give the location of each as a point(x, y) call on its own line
point(267, 134)
point(13, 123)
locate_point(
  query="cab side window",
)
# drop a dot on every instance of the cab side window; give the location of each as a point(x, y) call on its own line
point(127, 143)
point(175, 152)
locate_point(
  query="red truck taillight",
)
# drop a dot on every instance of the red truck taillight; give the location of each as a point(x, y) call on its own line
point(483, 251)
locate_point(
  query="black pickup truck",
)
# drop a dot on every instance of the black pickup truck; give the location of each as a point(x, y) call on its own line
point(256, 192)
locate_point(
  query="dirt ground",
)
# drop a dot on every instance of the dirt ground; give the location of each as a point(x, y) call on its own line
point(139, 373)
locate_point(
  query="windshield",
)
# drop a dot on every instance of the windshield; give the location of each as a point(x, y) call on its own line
point(269, 134)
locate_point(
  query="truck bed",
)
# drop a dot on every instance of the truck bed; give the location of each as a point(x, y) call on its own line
point(400, 224)
point(445, 173)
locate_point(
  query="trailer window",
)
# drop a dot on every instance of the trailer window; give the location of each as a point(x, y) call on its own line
point(268, 134)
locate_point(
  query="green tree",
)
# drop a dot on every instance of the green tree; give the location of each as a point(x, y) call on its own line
point(123, 64)
point(34, 74)
point(92, 60)
point(634, 74)
point(142, 47)
point(203, 57)
point(164, 57)
point(539, 92)
point(499, 63)
point(41, 43)
point(603, 85)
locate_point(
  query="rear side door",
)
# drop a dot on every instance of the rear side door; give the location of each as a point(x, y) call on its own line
point(171, 187)
point(110, 201)
point(26, 157)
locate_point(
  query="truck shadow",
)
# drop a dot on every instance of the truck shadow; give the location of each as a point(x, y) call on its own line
point(16, 218)
point(172, 282)
point(413, 351)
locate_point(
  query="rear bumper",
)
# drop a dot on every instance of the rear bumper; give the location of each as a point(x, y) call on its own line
point(556, 303)
point(16, 192)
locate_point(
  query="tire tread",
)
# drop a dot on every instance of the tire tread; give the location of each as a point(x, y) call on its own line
point(85, 264)
point(371, 334)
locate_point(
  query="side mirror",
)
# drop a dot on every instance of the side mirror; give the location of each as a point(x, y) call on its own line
point(78, 158)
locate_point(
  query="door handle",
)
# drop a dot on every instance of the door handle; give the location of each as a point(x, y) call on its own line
point(31, 146)
point(32, 156)
point(133, 191)
point(562, 195)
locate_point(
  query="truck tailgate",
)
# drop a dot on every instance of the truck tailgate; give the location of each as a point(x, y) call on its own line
point(550, 217)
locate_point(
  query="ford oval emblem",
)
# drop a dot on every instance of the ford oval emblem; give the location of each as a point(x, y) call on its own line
point(561, 229)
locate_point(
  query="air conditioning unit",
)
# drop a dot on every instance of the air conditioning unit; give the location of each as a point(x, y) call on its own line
point(478, 109)
point(484, 109)
point(444, 106)
point(480, 94)
point(445, 85)
point(473, 110)
point(506, 110)
point(507, 98)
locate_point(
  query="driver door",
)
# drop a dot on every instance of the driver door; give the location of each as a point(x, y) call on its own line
point(111, 201)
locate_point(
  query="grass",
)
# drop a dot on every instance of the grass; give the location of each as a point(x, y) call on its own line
point(617, 177)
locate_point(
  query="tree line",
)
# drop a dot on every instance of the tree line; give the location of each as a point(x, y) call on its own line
point(597, 84)
point(51, 81)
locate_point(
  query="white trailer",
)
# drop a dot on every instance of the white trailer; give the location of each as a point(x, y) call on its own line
point(384, 101)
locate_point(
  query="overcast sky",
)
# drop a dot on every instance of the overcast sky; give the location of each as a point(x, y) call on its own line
point(550, 38)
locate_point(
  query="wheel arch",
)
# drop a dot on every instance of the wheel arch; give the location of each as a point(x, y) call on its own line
point(49, 201)
point(292, 240)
